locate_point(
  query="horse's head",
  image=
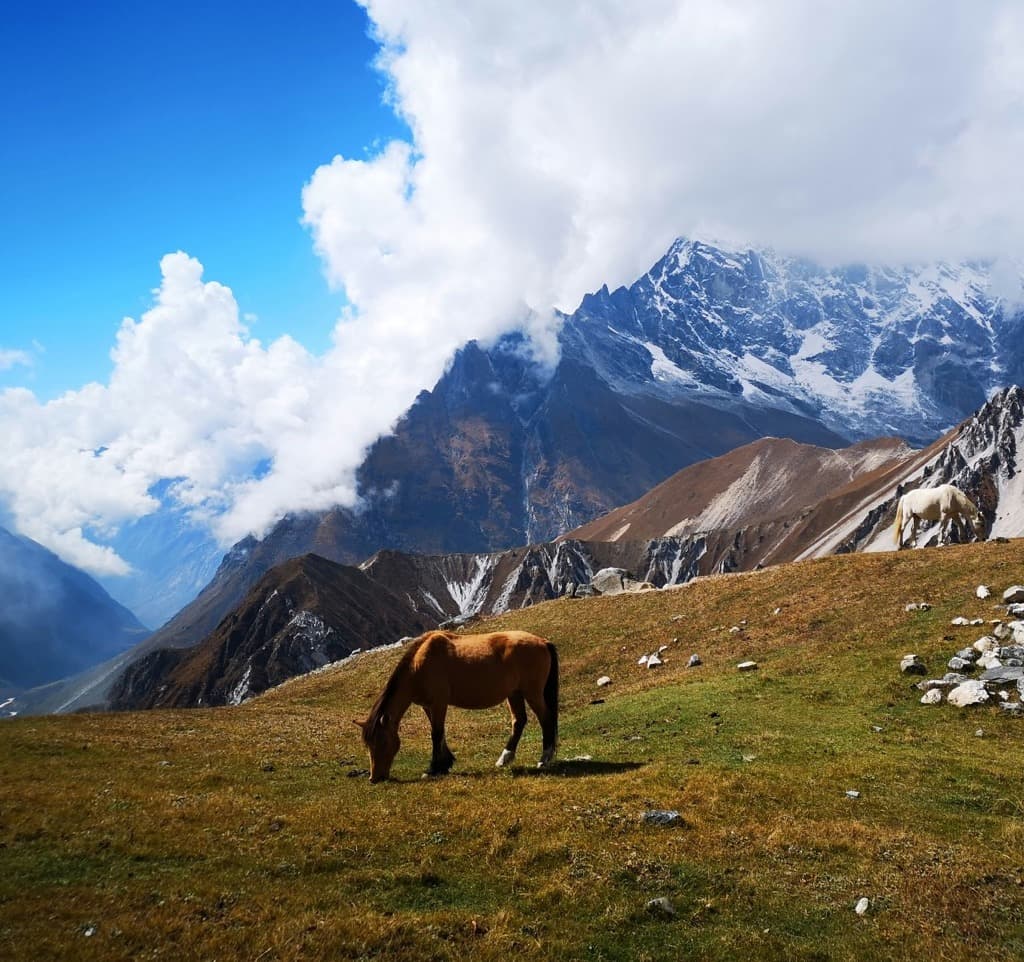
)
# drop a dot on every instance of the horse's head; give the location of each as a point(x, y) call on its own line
point(382, 742)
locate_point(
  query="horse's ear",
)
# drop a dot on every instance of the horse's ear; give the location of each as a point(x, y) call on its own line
point(360, 725)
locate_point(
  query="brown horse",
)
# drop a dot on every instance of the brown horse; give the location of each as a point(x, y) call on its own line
point(440, 668)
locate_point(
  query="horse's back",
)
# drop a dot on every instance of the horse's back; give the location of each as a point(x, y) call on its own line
point(475, 671)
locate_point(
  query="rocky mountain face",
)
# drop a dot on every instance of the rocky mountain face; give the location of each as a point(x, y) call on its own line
point(302, 615)
point(55, 620)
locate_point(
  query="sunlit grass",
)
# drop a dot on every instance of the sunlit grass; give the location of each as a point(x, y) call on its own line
point(239, 833)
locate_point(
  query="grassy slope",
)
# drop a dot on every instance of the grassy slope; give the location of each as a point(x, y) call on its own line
point(237, 833)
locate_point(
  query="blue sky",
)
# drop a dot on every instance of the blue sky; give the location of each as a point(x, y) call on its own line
point(131, 130)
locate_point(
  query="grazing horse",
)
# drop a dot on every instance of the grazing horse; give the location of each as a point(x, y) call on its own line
point(441, 668)
point(942, 504)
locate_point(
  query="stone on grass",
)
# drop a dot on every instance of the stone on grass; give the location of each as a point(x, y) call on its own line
point(1002, 675)
point(661, 906)
point(983, 591)
point(969, 693)
point(853, 793)
point(912, 665)
point(960, 664)
point(1013, 594)
point(694, 661)
point(989, 660)
point(1002, 632)
point(661, 817)
point(960, 621)
point(1015, 611)
point(862, 906)
point(642, 660)
point(976, 622)
point(603, 680)
point(918, 606)
point(984, 643)
point(932, 697)
point(610, 581)
point(653, 661)
point(747, 666)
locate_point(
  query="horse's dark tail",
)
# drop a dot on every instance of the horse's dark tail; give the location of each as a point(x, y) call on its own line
point(551, 697)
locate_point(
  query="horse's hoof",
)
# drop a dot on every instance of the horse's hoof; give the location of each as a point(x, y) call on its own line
point(505, 758)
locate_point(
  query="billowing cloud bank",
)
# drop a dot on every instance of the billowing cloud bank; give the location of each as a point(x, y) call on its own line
point(556, 147)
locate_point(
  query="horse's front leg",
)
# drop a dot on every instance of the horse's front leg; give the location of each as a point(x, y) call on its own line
point(441, 757)
point(516, 705)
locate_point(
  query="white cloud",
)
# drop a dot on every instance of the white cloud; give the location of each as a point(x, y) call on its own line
point(556, 147)
point(13, 358)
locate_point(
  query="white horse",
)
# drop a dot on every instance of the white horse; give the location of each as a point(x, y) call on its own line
point(942, 504)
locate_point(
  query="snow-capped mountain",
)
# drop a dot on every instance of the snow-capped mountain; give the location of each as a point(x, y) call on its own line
point(868, 351)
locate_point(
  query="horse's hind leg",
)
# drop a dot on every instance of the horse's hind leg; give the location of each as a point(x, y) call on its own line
point(516, 705)
point(441, 757)
point(548, 726)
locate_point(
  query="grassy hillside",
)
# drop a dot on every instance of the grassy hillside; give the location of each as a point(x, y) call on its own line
point(239, 833)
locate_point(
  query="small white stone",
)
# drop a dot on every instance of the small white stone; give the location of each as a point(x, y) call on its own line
point(933, 697)
point(777, 611)
point(983, 591)
point(975, 622)
point(960, 622)
point(747, 666)
point(603, 680)
point(862, 906)
point(980, 733)
point(662, 649)
point(852, 793)
point(643, 660)
point(661, 905)
point(734, 629)
point(654, 661)
point(1013, 594)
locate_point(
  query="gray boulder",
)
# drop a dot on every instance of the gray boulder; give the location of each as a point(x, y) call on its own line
point(1013, 594)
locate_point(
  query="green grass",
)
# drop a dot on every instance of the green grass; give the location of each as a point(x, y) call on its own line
point(238, 833)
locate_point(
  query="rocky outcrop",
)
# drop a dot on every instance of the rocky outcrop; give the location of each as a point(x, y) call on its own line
point(300, 616)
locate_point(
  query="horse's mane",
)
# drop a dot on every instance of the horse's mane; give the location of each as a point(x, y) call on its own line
point(381, 704)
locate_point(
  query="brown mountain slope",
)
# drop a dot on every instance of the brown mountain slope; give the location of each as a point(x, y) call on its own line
point(300, 616)
point(770, 479)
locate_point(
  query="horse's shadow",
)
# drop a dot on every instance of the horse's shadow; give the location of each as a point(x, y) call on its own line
point(570, 768)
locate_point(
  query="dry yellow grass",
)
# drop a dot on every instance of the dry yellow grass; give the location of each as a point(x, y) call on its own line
point(238, 833)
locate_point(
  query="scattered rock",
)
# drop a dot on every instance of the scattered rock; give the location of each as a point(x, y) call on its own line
point(852, 793)
point(975, 622)
point(1002, 632)
point(1013, 707)
point(642, 659)
point(912, 665)
point(968, 654)
point(983, 591)
point(677, 618)
point(661, 817)
point(1013, 594)
point(694, 661)
point(610, 581)
point(777, 611)
point(735, 629)
point(1002, 675)
point(918, 606)
point(960, 621)
point(747, 666)
point(984, 643)
point(862, 906)
point(968, 693)
point(653, 661)
point(662, 906)
point(1015, 611)
point(603, 681)
point(960, 664)
point(989, 660)
point(932, 697)
point(980, 733)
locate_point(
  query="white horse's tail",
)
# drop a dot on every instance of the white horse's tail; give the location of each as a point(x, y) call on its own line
point(898, 530)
